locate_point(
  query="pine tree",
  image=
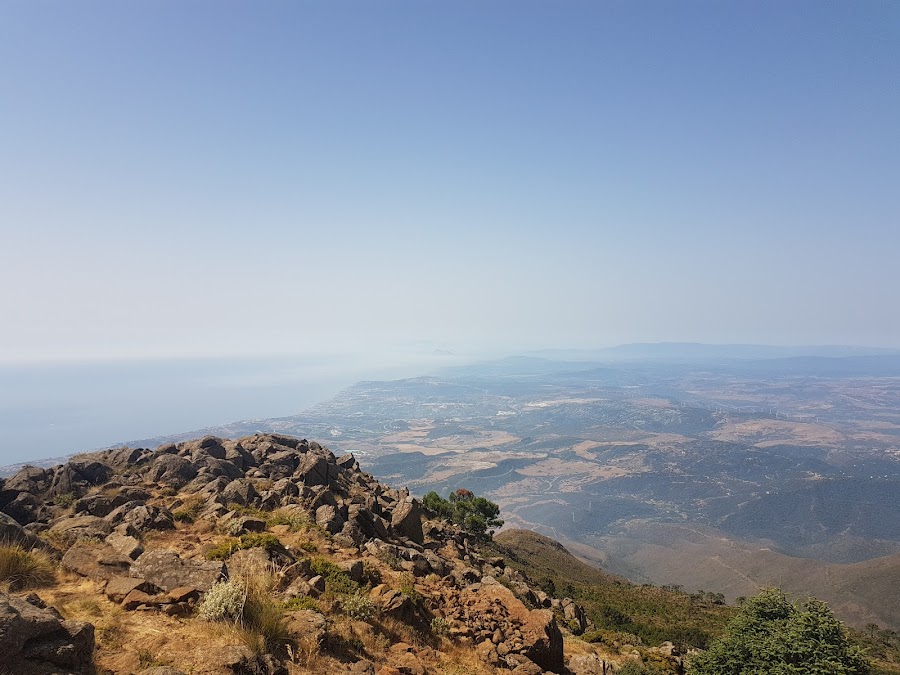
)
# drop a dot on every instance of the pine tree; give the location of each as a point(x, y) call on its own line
point(771, 636)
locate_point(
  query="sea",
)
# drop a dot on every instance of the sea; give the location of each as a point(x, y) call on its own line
point(57, 409)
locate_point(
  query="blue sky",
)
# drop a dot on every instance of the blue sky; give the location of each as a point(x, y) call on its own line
point(208, 178)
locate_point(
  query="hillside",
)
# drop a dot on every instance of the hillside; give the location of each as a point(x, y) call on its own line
point(615, 605)
point(622, 611)
point(271, 555)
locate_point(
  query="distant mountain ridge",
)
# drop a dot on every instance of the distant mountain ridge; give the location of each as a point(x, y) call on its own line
point(702, 351)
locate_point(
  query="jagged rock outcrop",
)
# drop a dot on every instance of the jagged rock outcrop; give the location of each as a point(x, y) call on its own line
point(36, 640)
point(505, 631)
point(119, 506)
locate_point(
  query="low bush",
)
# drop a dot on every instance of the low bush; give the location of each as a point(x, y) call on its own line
point(358, 605)
point(408, 588)
point(336, 579)
point(224, 601)
point(440, 627)
point(294, 520)
point(189, 510)
point(248, 605)
point(65, 500)
point(301, 602)
point(252, 540)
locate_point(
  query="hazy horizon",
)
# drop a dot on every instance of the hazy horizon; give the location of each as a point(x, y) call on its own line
point(57, 408)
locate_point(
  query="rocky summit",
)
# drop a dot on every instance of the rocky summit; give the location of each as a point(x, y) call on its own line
point(267, 554)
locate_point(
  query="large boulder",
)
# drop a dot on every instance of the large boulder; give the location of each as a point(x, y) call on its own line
point(75, 478)
point(30, 479)
point(171, 470)
point(239, 491)
point(315, 470)
point(71, 529)
point(124, 458)
point(35, 640)
point(125, 543)
point(406, 520)
point(95, 561)
point(12, 532)
point(164, 568)
point(25, 508)
point(143, 518)
point(329, 518)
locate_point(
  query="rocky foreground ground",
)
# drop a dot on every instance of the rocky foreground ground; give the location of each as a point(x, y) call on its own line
point(348, 575)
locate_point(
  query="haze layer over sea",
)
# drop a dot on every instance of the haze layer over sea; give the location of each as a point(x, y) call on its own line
point(56, 409)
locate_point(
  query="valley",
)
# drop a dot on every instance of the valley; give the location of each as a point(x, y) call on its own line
point(725, 475)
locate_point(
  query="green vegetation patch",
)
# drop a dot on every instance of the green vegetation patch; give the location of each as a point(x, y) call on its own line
point(225, 550)
point(336, 579)
point(474, 514)
point(622, 611)
point(301, 602)
point(771, 636)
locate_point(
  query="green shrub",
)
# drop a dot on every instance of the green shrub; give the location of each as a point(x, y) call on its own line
point(770, 635)
point(408, 589)
point(21, 569)
point(188, 512)
point(474, 514)
point(336, 579)
point(242, 510)
point(634, 668)
point(358, 605)
point(301, 602)
point(252, 540)
point(294, 520)
point(440, 627)
point(65, 500)
point(324, 567)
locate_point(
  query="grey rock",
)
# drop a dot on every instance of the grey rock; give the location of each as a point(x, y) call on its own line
point(164, 568)
point(144, 518)
point(12, 532)
point(406, 520)
point(240, 491)
point(313, 470)
point(126, 545)
point(29, 479)
point(119, 587)
point(95, 561)
point(35, 639)
point(73, 529)
point(25, 508)
point(171, 470)
point(327, 517)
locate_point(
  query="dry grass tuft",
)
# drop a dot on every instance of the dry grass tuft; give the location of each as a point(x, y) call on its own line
point(21, 569)
point(458, 660)
point(247, 603)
